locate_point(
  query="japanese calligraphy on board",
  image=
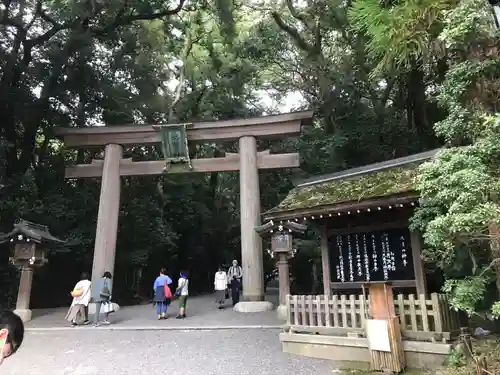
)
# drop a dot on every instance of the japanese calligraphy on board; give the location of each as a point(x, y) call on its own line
point(371, 256)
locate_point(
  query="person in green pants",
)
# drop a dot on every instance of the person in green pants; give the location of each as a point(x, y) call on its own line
point(182, 292)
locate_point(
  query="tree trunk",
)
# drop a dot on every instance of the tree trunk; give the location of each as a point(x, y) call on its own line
point(495, 254)
point(417, 107)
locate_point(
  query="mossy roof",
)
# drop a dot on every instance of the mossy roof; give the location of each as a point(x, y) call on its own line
point(388, 182)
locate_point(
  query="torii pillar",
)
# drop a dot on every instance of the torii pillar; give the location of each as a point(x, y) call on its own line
point(251, 243)
point(109, 210)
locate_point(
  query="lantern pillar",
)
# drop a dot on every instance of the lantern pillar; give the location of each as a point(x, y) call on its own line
point(284, 284)
point(282, 247)
point(24, 294)
point(284, 277)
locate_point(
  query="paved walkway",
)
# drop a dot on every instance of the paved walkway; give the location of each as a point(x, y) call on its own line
point(202, 314)
point(96, 352)
point(208, 342)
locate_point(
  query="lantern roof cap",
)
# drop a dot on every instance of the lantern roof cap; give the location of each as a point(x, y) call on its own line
point(281, 226)
point(35, 232)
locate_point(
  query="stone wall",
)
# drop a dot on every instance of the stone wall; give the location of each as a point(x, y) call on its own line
point(352, 352)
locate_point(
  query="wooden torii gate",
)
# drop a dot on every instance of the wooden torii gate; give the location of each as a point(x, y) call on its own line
point(248, 162)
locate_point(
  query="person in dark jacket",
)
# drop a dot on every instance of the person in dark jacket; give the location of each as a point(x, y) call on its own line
point(235, 290)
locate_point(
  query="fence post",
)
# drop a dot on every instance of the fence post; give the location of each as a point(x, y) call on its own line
point(288, 311)
point(438, 314)
point(328, 317)
point(467, 343)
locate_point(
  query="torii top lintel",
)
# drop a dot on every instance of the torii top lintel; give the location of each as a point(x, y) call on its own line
point(262, 127)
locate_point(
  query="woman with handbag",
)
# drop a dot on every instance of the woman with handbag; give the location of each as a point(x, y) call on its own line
point(78, 311)
point(101, 296)
point(162, 294)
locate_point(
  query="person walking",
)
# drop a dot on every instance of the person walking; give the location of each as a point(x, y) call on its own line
point(235, 290)
point(235, 272)
point(182, 292)
point(162, 294)
point(102, 291)
point(78, 311)
point(220, 286)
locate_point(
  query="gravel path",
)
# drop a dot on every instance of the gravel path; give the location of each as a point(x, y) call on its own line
point(202, 311)
point(93, 352)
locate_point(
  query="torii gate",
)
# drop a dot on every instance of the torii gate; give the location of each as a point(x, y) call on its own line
point(248, 162)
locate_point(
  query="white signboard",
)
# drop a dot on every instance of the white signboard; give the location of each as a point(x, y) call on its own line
point(377, 332)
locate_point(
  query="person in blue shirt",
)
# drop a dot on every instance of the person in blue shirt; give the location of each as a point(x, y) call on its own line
point(160, 296)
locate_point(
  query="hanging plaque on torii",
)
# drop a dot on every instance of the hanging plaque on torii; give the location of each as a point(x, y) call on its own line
point(174, 142)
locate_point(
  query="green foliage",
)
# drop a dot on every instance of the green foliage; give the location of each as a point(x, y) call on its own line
point(408, 27)
point(457, 358)
point(495, 309)
point(466, 293)
point(459, 188)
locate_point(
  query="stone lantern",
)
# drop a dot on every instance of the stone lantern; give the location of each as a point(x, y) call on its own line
point(30, 242)
point(282, 236)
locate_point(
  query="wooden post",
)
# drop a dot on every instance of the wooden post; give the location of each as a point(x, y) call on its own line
point(418, 267)
point(466, 343)
point(109, 209)
point(384, 331)
point(284, 277)
point(24, 294)
point(325, 261)
point(251, 243)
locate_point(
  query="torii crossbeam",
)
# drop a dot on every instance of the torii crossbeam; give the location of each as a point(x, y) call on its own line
point(248, 162)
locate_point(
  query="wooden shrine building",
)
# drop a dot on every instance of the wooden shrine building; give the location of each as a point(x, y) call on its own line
point(364, 217)
point(375, 311)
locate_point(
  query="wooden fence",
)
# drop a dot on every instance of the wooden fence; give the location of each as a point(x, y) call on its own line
point(420, 318)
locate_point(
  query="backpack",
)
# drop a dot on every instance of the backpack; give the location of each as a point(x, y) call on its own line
point(105, 292)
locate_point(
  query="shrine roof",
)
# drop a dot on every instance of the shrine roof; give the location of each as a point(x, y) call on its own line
point(392, 180)
point(36, 232)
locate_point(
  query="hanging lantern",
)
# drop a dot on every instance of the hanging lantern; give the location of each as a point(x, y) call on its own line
point(174, 144)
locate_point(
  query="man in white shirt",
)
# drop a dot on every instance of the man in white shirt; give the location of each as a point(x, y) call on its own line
point(220, 286)
point(235, 271)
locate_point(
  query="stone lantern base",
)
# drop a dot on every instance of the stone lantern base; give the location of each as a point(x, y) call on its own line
point(282, 312)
